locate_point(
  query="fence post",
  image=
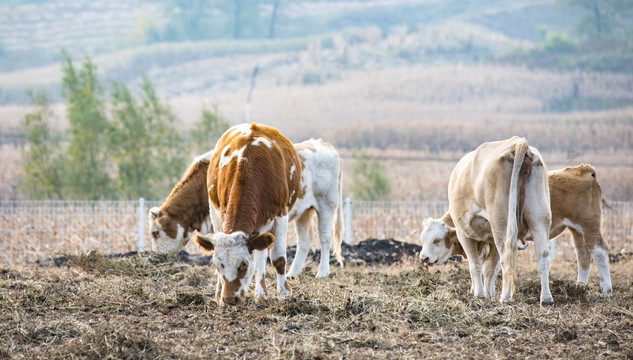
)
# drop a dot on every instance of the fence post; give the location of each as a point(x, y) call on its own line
point(141, 225)
point(348, 221)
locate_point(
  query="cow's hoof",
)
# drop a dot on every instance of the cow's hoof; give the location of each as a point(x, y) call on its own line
point(284, 294)
point(606, 293)
point(293, 272)
point(322, 274)
point(547, 301)
point(292, 276)
point(260, 294)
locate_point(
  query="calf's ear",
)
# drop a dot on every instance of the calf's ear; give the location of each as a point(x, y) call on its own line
point(204, 241)
point(154, 213)
point(260, 242)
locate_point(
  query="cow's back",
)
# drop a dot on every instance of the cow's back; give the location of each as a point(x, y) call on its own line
point(321, 175)
point(253, 177)
point(575, 195)
point(482, 179)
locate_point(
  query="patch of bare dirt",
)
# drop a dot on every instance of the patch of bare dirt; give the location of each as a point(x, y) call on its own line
point(154, 307)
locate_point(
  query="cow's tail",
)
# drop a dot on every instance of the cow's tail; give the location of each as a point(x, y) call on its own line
point(339, 225)
point(512, 229)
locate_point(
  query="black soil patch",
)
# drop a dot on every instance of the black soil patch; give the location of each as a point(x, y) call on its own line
point(367, 252)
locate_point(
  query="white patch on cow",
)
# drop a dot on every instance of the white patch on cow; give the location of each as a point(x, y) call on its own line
point(225, 159)
point(243, 129)
point(292, 171)
point(434, 229)
point(261, 140)
point(164, 244)
point(570, 224)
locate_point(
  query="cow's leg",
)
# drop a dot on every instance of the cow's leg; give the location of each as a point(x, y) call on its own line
point(278, 255)
point(540, 234)
point(538, 217)
point(474, 263)
point(599, 251)
point(259, 257)
point(303, 227)
point(583, 256)
point(498, 229)
point(490, 269)
point(219, 288)
point(326, 227)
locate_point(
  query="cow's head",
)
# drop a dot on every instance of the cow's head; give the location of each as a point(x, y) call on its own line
point(168, 235)
point(233, 261)
point(437, 245)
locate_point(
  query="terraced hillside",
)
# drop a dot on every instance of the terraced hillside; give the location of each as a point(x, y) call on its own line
point(329, 36)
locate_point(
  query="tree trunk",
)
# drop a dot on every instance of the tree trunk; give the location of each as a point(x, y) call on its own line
point(273, 19)
point(596, 11)
point(237, 27)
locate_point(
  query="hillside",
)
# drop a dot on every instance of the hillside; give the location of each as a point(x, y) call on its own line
point(348, 35)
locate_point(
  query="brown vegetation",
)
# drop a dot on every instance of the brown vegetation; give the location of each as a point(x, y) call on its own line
point(152, 307)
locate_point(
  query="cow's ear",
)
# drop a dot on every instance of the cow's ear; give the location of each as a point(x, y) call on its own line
point(451, 234)
point(260, 242)
point(154, 213)
point(204, 241)
point(164, 221)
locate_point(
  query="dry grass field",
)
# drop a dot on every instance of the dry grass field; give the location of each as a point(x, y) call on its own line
point(152, 307)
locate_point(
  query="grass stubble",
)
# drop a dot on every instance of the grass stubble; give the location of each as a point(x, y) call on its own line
point(152, 307)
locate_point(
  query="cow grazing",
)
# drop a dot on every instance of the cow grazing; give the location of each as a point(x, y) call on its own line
point(497, 194)
point(187, 206)
point(253, 182)
point(185, 210)
point(575, 200)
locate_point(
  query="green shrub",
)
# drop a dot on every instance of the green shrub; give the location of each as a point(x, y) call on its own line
point(557, 43)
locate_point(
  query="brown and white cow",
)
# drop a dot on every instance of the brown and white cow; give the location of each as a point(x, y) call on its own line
point(187, 206)
point(575, 200)
point(253, 182)
point(497, 194)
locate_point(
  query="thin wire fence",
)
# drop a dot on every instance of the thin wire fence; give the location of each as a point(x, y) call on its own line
point(32, 230)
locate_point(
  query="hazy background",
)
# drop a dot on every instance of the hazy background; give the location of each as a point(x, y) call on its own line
point(403, 88)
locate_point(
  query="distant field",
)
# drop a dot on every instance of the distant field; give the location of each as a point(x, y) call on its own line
point(420, 120)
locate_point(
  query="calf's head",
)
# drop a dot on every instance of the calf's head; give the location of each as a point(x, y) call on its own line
point(233, 261)
point(437, 246)
point(168, 235)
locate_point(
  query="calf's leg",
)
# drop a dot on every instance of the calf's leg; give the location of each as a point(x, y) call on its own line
point(303, 227)
point(278, 255)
